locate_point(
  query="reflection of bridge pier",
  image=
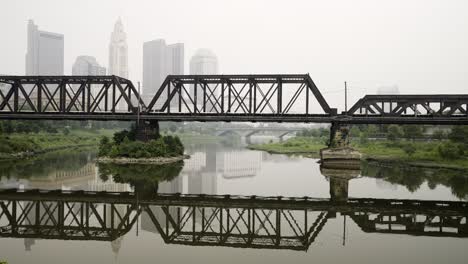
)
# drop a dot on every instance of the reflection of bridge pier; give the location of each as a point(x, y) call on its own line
point(339, 182)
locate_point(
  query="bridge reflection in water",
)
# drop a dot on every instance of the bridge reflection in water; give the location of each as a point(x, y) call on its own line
point(214, 220)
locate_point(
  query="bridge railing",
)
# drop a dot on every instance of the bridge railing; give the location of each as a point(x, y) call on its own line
point(239, 94)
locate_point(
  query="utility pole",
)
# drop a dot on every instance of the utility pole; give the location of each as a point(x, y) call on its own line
point(346, 97)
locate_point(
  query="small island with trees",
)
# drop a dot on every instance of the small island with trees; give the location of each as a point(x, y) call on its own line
point(124, 148)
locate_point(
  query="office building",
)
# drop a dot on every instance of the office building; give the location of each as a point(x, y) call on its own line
point(45, 52)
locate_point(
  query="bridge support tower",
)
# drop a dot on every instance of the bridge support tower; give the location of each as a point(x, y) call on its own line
point(147, 130)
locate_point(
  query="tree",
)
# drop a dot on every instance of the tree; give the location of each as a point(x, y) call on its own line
point(394, 132)
point(459, 134)
point(409, 149)
point(450, 150)
point(412, 131)
point(438, 135)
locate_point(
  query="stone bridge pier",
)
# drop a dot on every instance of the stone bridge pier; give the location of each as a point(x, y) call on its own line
point(147, 130)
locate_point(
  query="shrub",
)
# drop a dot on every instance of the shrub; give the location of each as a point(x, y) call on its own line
point(409, 149)
point(394, 132)
point(449, 150)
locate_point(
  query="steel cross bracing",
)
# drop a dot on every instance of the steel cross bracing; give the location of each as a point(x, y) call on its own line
point(241, 98)
point(67, 95)
point(215, 220)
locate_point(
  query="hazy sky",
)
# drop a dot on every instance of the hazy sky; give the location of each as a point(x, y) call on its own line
point(419, 45)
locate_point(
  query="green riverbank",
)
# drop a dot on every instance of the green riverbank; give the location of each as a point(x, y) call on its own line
point(23, 145)
point(423, 154)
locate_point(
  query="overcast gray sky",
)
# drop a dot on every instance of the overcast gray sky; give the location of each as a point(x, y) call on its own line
point(419, 45)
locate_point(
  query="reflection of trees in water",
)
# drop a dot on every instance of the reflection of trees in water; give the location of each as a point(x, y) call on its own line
point(413, 177)
point(47, 163)
point(144, 178)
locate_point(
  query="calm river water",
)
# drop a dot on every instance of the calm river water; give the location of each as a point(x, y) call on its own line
point(328, 235)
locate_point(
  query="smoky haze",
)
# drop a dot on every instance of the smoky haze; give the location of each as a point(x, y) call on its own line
point(420, 45)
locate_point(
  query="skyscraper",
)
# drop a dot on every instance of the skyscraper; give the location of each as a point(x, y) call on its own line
point(204, 61)
point(160, 60)
point(87, 65)
point(118, 56)
point(45, 52)
point(118, 51)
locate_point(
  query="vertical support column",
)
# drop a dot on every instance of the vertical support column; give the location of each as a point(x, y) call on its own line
point(250, 96)
point(229, 97)
point(129, 94)
point(88, 87)
point(15, 96)
point(106, 97)
point(195, 88)
point(179, 90)
point(204, 97)
point(307, 99)
point(222, 96)
point(279, 97)
point(255, 98)
point(113, 97)
point(83, 97)
point(62, 97)
point(168, 97)
point(39, 97)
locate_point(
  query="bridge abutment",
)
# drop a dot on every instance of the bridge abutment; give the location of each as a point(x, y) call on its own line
point(147, 130)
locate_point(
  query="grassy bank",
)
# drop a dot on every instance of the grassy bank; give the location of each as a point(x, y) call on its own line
point(17, 145)
point(425, 153)
point(296, 145)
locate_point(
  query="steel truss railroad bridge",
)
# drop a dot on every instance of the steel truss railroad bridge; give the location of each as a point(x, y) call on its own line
point(217, 220)
point(237, 98)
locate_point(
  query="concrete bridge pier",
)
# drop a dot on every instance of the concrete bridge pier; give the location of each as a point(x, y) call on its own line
point(147, 130)
point(339, 135)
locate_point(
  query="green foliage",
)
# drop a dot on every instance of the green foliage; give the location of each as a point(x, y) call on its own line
point(438, 135)
point(120, 136)
point(123, 146)
point(412, 131)
point(363, 138)
point(409, 149)
point(394, 132)
point(450, 150)
point(459, 134)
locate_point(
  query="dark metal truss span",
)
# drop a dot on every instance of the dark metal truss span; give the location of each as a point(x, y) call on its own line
point(60, 95)
point(238, 94)
point(211, 98)
point(211, 220)
point(411, 106)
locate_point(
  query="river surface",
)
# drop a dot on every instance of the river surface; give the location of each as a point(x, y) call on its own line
point(325, 236)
